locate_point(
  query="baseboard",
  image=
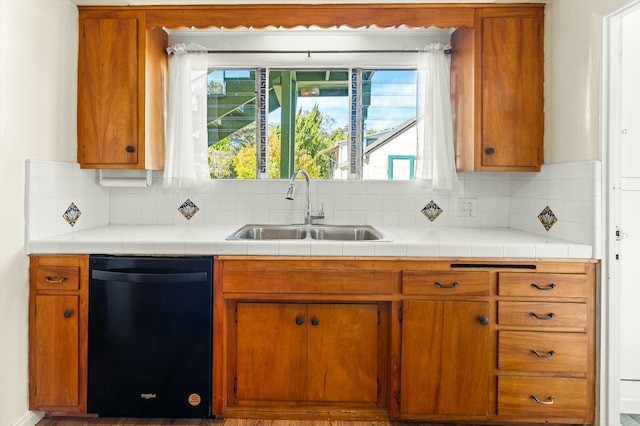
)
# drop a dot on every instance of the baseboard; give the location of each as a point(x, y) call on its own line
point(30, 418)
point(630, 396)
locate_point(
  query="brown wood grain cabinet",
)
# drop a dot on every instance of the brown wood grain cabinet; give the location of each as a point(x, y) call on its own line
point(496, 76)
point(121, 79)
point(479, 341)
point(293, 352)
point(58, 333)
point(508, 112)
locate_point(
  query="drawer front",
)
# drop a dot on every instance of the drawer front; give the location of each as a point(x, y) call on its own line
point(306, 281)
point(58, 278)
point(556, 398)
point(445, 283)
point(541, 314)
point(542, 351)
point(542, 285)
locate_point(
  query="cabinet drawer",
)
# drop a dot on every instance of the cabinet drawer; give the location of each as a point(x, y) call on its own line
point(58, 278)
point(542, 351)
point(445, 283)
point(542, 285)
point(542, 314)
point(306, 281)
point(556, 398)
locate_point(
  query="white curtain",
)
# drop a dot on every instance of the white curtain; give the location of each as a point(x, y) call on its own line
point(186, 157)
point(435, 157)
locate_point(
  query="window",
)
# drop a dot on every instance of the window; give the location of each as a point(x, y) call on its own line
point(348, 112)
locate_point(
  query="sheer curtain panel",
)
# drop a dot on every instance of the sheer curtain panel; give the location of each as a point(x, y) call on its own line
point(435, 159)
point(186, 162)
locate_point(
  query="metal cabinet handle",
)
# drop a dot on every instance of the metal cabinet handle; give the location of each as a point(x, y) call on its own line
point(549, 400)
point(68, 313)
point(549, 287)
point(51, 280)
point(315, 321)
point(129, 148)
point(490, 151)
point(299, 320)
point(483, 320)
point(549, 355)
point(440, 285)
point(542, 317)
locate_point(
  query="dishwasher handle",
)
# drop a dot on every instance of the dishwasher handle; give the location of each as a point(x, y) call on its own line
point(142, 278)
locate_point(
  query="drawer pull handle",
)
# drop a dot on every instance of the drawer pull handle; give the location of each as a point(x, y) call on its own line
point(549, 355)
point(440, 285)
point(51, 280)
point(543, 317)
point(549, 287)
point(299, 320)
point(549, 400)
point(68, 313)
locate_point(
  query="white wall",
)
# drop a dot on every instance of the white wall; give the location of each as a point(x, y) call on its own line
point(38, 68)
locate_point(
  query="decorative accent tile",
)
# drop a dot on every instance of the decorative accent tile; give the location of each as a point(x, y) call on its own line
point(188, 209)
point(547, 218)
point(431, 211)
point(72, 214)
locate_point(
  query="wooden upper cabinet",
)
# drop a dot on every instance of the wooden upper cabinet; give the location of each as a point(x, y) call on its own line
point(121, 69)
point(508, 57)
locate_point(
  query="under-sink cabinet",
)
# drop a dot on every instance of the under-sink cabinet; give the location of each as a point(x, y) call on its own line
point(440, 340)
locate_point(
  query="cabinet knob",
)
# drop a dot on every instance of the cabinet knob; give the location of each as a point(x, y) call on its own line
point(299, 320)
point(490, 151)
point(483, 321)
point(315, 321)
point(129, 148)
point(68, 313)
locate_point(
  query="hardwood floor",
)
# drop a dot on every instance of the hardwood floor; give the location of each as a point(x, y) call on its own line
point(86, 421)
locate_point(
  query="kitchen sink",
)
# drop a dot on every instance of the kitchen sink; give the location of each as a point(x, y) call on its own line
point(307, 232)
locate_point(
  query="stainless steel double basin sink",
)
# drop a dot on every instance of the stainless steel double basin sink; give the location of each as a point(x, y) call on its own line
point(306, 232)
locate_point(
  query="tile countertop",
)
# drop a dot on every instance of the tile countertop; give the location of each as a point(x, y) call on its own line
point(403, 241)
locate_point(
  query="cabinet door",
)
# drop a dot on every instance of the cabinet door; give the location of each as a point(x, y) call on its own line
point(56, 353)
point(108, 92)
point(512, 91)
point(446, 361)
point(343, 353)
point(271, 352)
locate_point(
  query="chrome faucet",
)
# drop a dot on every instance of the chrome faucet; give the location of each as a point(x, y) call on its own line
point(291, 192)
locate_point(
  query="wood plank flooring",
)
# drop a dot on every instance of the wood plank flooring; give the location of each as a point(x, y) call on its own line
point(87, 421)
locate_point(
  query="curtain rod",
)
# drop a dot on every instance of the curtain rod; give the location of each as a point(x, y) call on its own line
point(309, 52)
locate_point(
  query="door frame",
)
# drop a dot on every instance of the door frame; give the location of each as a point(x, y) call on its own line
point(610, 295)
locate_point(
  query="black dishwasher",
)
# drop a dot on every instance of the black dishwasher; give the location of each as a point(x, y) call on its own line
point(150, 334)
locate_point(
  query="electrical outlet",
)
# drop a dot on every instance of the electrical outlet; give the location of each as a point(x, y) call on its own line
point(466, 207)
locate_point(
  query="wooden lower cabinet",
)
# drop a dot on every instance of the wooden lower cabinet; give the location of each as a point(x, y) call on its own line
point(298, 353)
point(446, 359)
point(57, 333)
point(474, 341)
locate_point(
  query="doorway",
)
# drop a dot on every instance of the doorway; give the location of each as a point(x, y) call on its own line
point(621, 186)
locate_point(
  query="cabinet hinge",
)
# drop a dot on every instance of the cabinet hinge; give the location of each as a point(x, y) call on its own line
point(235, 385)
point(235, 315)
point(400, 315)
point(378, 316)
point(378, 389)
point(398, 396)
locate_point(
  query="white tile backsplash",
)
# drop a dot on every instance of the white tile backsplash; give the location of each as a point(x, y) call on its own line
point(571, 190)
